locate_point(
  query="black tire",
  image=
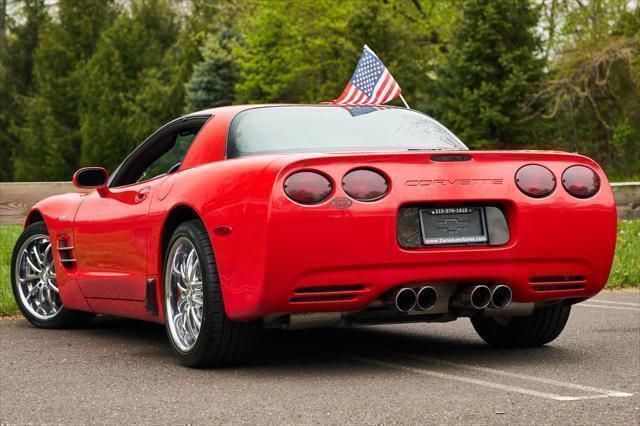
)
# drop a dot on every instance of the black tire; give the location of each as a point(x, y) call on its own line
point(221, 341)
point(66, 318)
point(541, 327)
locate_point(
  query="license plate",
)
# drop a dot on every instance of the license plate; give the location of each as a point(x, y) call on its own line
point(454, 225)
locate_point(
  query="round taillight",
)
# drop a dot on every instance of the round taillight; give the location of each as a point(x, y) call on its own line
point(307, 187)
point(535, 180)
point(581, 181)
point(365, 185)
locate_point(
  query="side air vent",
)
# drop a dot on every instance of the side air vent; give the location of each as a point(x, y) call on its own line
point(328, 293)
point(66, 252)
point(555, 283)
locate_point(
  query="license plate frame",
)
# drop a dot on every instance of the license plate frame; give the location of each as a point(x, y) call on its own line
point(445, 226)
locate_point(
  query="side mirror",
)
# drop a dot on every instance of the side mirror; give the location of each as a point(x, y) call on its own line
point(91, 178)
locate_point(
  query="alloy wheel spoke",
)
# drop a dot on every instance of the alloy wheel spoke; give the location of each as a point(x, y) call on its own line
point(47, 294)
point(29, 278)
point(41, 294)
point(195, 265)
point(189, 324)
point(53, 286)
point(189, 264)
point(194, 317)
point(45, 256)
point(32, 291)
point(32, 265)
point(37, 256)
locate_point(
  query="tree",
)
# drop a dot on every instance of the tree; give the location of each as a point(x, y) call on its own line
point(304, 51)
point(591, 97)
point(50, 138)
point(129, 88)
point(495, 63)
point(213, 80)
point(16, 75)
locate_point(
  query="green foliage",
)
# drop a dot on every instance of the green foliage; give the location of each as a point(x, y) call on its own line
point(82, 83)
point(8, 237)
point(591, 96)
point(213, 80)
point(625, 271)
point(305, 51)
point(493, 67)
point(50, 138)
point(127, 91)
point(16, 77)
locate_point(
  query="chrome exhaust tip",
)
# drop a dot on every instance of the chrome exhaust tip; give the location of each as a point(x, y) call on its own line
point(500, 296)
point(476, 297)
point(427, 298)
point(405, 299)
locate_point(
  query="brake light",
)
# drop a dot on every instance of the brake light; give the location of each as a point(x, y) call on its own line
point(365, 185)
point(308, 187)
point(581, 181)
point(535, 180)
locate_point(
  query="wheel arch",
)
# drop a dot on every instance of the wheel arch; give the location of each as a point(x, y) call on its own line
point(178, 214)
point(34, 216)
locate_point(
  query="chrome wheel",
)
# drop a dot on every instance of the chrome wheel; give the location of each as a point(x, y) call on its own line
point(35, 276)
point(183, 294)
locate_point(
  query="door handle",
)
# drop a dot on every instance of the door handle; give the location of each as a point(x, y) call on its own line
point(142, 195)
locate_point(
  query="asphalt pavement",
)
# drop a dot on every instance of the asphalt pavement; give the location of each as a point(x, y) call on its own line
point(122, 371)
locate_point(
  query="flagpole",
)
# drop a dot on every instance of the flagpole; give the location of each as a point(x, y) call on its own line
point(405, 102)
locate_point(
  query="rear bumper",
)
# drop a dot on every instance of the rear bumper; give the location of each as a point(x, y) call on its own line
point(343, 262)
point(322, 259)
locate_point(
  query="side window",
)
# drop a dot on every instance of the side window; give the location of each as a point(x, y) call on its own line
point(170, 161)
point(160, 153)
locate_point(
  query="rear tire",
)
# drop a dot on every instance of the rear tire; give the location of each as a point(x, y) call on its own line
point(34, 283)
point(219, 340)
point(541, 327)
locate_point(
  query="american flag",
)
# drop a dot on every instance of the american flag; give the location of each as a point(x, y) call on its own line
point(356, 110)
point(370, 84)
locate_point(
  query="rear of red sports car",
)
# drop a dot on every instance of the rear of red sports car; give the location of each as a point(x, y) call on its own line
point(308, 216)
point(395, 220)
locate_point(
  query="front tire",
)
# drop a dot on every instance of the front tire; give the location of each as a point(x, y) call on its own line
point(540, 328)
point(198, 328)
point(34, 282)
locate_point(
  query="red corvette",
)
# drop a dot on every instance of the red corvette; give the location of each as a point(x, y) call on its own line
point(234, 219)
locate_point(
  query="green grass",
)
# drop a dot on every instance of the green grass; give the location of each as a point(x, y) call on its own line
point(625, 272)
point(8, 236)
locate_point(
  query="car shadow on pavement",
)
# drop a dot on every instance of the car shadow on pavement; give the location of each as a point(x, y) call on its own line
point(329, 347)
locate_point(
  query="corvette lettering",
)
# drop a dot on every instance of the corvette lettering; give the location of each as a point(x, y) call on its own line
point(452, 182)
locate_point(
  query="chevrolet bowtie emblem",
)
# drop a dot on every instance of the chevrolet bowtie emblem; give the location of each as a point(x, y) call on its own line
point(452, 225)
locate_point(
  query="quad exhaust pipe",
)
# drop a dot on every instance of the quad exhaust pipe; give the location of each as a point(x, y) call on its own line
point(482, 296)
point(427, 298)
point(405, 299)
point(500, 296)
point(474, 297)
point(478, 297)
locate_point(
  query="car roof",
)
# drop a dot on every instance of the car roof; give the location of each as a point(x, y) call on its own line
point(235, 109)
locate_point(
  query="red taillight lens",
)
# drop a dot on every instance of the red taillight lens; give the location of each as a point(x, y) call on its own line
point(581, 181)
point(535, 180)
point(365, 185)
point(307, 187)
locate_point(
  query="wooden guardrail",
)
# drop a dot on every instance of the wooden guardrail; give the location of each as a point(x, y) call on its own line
point(16, 198)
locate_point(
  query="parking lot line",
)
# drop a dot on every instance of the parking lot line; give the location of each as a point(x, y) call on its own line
point(468, 380)
point(585, 388)
point(618, 308)
point(614, 303)
point(472, 381)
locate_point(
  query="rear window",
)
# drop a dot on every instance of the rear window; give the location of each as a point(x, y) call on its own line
point(296, 129)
